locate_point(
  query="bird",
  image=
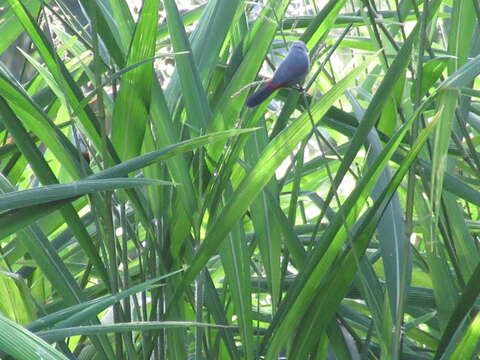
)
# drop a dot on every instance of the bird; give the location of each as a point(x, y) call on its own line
point(291, 71)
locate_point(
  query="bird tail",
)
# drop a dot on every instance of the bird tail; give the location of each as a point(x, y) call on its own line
point(259, 96)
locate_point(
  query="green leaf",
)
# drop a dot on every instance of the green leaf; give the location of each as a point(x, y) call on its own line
point(49, 193)
point(431, 72)
point(58, 334)
point(23, 345)
point(194, 96)
point(133, 102)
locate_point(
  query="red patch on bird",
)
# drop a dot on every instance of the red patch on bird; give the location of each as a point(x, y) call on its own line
point(278, 86)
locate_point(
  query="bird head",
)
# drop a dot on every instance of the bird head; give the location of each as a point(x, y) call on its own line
point(299, 44)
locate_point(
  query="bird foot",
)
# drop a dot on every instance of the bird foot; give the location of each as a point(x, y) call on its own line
point(299, 88)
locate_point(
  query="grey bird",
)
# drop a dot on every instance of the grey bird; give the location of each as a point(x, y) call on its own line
point(291, 71)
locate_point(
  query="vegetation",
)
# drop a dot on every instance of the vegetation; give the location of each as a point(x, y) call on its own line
point(146, 213)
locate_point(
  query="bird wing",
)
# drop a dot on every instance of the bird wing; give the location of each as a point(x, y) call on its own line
point(292, 69)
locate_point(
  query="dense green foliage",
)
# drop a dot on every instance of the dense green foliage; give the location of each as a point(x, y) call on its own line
point(146, 213)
